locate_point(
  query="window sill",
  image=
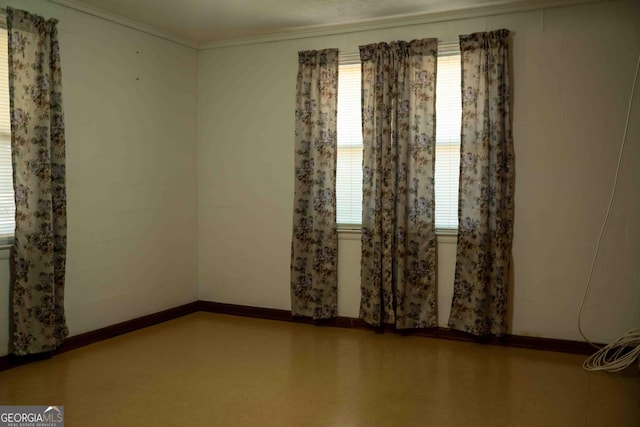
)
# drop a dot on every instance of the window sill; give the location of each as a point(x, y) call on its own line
point(5, 247)
point(353, 233)
point(6, 242)
point(349, 233)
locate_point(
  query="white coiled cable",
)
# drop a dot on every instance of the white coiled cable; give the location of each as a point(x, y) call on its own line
point(616, 356)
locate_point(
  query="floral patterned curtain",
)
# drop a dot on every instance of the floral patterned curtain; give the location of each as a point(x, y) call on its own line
point(314, 247)
point(38, 153)
point(398, 270)
point(487, 175)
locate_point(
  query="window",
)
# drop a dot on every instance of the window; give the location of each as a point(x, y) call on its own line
point(448, 116)
point(7, 206)
point(349, 168)
point(448, 124)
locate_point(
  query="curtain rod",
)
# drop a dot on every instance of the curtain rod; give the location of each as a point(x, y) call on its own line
point(443, 47)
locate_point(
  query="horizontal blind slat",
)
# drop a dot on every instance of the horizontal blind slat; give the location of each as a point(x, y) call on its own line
point(7, 203)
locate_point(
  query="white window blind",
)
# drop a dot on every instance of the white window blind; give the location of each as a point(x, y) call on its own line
point(349, 167)
point(447, 168)
point(7, 206)
point(448, 122)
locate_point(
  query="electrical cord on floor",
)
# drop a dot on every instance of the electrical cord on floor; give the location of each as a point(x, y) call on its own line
point(625, 350)
point(616, 356)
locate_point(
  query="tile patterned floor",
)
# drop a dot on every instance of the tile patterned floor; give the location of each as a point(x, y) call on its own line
point(215, 370)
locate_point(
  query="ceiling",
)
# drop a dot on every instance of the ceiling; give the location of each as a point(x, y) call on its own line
point(199, 21)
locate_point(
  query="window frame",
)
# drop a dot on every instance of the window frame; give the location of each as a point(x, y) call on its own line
point(347, 59)
point(350, 231)
point(450, 49)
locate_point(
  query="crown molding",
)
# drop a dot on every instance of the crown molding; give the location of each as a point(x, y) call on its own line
point(391, 22)
point(327, 30)
point(129, 23)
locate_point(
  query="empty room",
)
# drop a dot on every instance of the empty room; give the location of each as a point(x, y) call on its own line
point(319, 213)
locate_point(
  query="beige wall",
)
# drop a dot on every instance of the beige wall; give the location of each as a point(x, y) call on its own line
point(142, 239)
point(130, 109)
point(573, 71)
